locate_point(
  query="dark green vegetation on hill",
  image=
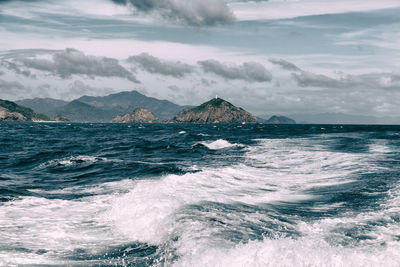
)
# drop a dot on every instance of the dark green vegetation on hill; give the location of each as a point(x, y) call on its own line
point(27, 113)
point(216, 110)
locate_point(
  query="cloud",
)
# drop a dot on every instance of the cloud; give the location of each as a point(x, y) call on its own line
point(192, 13)
point(248, 71)
point(155, 65)
point(387, 81)
point(12, 89)
point(269, 10)
point(5, 85)
point(78, 88)
point(71, 61)
point(309, 79)
point(14, 67)
point(207, 83)
point(286, 65)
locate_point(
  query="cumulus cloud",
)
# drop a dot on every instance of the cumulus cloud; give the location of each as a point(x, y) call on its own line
point(248, 71)
point(192, 13)
point(71, 61)
point(155, 65)
point(309, 79)
point(286, 65)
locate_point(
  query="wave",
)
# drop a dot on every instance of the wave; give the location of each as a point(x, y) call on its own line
point(218, 216)
point(292, 252)
point(75, 160)
point(219, 144)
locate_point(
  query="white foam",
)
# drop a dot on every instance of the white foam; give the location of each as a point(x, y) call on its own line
point(277, 171)
point(147, 212)
point(51, 225)
point(219, 144)
point(380, 146)
point(182, 132)
point(290, 252)
point(156, 211)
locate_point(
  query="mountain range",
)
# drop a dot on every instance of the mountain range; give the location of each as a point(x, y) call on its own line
point(102, 108)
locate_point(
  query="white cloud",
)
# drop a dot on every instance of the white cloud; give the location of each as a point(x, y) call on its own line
point(283, 9)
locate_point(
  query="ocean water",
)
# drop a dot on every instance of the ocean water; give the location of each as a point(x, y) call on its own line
point(199, 195)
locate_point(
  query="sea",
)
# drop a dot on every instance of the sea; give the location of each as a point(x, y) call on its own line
point(199, 195)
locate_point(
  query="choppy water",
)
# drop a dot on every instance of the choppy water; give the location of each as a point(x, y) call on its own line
point(198, 195)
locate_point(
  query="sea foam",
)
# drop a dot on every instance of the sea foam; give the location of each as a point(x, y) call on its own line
point(219, 144)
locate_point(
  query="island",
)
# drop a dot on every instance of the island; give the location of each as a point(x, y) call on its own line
point(139, 115)
point(280, 120)
point(216, 110)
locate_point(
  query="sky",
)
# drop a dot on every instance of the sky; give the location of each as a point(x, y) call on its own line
point(269, 57)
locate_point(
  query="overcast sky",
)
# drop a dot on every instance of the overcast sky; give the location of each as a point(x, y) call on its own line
point(269, 57)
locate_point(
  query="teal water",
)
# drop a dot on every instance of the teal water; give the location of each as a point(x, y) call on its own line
point(199, 195)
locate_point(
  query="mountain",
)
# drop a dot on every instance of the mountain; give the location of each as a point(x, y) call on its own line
point(216, 110)
point(125, 102)
point(103, 108)
point(275, 119)
point(138, 115)
point(82, 112)
point(42, 105)
point(10, 111)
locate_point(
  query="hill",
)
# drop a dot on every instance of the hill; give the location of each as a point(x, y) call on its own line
point(10, 111)
point(82, 112)
point(216, 110)
point(138, 115)
point(275, 119)
point(42, 105)
point(103, 108)
point(125, 102)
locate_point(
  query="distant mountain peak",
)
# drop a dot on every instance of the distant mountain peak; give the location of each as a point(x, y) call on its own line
point(277, 119)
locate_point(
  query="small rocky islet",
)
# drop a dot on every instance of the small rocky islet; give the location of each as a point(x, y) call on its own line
point(139, 115)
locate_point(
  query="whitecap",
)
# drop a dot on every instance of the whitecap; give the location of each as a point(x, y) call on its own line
point(219, 144)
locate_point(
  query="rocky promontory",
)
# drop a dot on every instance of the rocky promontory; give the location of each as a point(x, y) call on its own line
point(140, 115)
point(216, 110)
point(6, 115)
